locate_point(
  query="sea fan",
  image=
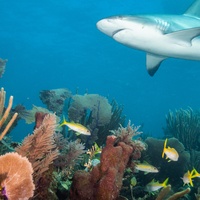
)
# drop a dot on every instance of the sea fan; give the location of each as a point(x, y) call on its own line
point(16, 177)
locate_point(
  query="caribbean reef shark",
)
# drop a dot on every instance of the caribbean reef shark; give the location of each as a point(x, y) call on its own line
point(161, 36)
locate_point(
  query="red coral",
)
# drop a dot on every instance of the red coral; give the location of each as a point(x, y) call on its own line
point(105, 180)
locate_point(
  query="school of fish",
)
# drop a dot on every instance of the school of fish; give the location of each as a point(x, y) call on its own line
point(169, 153)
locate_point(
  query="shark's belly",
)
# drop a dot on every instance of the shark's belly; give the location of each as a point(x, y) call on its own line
point(155, 42)
point(183, 50)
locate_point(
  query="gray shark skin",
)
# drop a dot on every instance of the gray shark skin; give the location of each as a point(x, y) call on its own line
point(161, 36)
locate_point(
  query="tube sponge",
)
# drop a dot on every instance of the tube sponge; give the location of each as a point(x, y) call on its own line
point(18, 182)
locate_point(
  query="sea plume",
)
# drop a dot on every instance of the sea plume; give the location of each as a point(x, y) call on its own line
point(41, 150)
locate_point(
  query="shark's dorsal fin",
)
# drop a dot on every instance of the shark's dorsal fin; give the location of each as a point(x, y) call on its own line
point(153, 62)
point(194, 9)
point(184, 37)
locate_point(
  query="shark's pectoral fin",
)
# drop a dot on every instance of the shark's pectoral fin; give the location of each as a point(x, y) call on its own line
point(153, 63)
point(184, 37)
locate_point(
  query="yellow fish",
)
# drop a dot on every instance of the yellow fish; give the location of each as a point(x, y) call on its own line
point(195, 173)
point(146, 167)
point(170, 153)
point(155, 185)
point(187, 178)
point(79, 128)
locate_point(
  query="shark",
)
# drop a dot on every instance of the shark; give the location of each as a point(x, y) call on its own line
point(160, 36)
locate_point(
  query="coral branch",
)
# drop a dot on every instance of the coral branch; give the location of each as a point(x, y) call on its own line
point(10, 123)
point(2, 100)
point(6, 113)
point(180, 194)
point(164, 192)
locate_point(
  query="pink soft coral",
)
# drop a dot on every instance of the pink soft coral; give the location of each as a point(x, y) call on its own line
point(17, 182)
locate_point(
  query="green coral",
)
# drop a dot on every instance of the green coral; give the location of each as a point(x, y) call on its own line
point(184, 124)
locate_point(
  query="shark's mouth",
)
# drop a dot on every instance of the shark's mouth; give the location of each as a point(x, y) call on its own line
point(117, 31)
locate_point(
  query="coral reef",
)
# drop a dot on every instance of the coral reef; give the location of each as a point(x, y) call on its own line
point(126, 135)
point(69, 160)
point(166, 190)
point(117, 118)
point(163, 192)
point(16, 177)
point(61, 168)
point(70, 153)
point(92, 104)
point(91, 110)
point(95, 112)
point(104, 181)
point(4, 115)
point(173, 170)
point(29, 115)
point(194, 160)
point(41, 150)
point(185, 126)
point(55, 99)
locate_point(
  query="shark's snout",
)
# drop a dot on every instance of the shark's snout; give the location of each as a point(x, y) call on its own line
point(106, 26)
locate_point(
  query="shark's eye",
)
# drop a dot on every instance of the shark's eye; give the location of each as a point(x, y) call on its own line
point(120, 17)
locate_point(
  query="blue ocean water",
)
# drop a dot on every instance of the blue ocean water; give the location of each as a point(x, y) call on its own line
point(55, 44)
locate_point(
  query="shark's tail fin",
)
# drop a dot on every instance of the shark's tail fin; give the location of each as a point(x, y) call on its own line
point(194, 9)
